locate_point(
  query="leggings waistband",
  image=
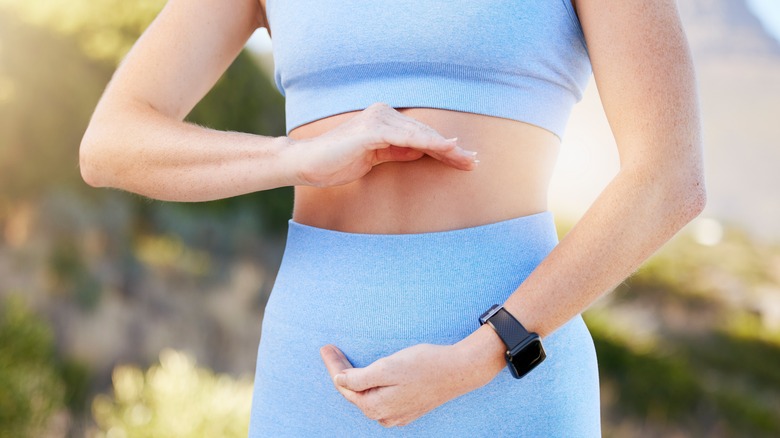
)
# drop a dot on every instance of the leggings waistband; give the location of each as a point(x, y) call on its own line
point(405, 285)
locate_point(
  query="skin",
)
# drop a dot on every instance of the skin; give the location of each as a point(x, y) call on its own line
point(385, 170)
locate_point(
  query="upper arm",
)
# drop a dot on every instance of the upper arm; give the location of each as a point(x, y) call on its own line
point(645, 77)
point(180, 56)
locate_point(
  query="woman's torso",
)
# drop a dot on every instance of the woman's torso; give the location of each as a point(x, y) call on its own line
point(524, 63)
point(516, 162)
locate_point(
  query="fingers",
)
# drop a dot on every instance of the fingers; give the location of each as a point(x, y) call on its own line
point(362, 379)
point(459, 159)
point(401, 130)
point(336, 362)
point(334, 359)
point(391, 130)
point(395, 153)
point(346, 376)
point(376, 135)
point(387, 126)
point(369, 388)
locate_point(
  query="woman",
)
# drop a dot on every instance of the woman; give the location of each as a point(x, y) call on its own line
point(400, 237)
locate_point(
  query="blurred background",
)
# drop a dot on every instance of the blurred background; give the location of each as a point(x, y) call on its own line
point(122, 316)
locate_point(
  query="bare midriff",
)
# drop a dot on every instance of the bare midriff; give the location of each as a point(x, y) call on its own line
point(511, 180)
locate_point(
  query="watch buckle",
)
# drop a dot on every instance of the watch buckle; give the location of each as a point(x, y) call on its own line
point(489, 313)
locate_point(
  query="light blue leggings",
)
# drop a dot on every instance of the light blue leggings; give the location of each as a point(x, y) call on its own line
point(374, 294)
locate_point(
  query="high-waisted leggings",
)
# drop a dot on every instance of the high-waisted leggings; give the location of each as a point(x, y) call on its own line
point(374, 294)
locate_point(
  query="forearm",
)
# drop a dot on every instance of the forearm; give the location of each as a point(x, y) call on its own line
point(636, 214)
point(138, 149)
point(143, 151)
point(632, 218)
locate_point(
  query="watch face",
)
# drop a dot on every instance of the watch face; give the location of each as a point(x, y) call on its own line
point(526, 356)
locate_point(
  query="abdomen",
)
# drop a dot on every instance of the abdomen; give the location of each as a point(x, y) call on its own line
point(516, 162)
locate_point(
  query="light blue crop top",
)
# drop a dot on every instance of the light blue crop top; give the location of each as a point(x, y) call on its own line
point(523, 60)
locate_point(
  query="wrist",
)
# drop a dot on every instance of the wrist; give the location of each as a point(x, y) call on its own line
point(528, 317)
point(484, 352)
point(292, 166)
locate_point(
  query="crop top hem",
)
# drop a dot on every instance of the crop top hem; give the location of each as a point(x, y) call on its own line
point(429, 85)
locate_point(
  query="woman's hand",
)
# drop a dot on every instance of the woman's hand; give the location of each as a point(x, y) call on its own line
point(376, 135)
point(397, 389)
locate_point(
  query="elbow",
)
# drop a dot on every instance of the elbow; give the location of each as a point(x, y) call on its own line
point(92, 172)
point(695, 199)
point(677, 189)
point(675, 193)
point(688, 198)
point(88, 172)
point(101, 154)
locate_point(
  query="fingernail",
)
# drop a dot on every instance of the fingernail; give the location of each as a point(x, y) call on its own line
point(476, 161)
point(451, 140)
point(338, 379)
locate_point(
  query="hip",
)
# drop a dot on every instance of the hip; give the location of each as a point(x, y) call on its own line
point(374, 294)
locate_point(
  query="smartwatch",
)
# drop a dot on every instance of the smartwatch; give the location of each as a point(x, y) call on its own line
point(524, 350)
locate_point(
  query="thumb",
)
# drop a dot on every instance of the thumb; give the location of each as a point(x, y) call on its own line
point(395, 153)
point(360, 379)
point(334, 360)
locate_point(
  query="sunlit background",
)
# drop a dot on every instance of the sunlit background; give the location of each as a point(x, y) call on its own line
point(126, 317)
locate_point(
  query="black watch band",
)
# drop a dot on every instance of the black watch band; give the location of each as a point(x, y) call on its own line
point(524, 350)
point(508, 328)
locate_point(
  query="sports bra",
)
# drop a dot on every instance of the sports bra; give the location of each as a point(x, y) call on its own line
point(523, 60)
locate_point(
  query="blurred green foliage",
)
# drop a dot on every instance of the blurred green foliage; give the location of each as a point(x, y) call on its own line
point(174, 399)
point(679, 385)
point(31, 388)
point(69, 274)
point(709, 360)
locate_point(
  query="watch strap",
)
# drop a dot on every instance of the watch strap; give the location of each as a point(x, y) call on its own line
point(508, 328)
